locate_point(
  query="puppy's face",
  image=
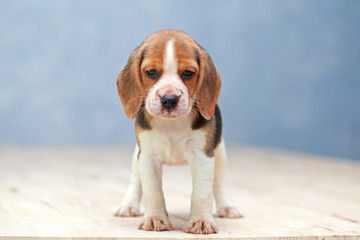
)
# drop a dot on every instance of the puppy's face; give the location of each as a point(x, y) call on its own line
point(170, 78)
point(169, 74)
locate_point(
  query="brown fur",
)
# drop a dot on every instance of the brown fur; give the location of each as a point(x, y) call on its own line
point(129, 84)
point(209, 86)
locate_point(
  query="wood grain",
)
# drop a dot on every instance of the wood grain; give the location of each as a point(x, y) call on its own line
point(70, 193)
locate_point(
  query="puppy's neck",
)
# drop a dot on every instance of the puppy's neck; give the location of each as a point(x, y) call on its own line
point(172, 124)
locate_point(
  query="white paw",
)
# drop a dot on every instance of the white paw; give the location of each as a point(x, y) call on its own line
point(201, 226)
point(126, 210)
point(229, 212)
point(155, 224)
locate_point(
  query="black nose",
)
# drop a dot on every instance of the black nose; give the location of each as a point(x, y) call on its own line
point(169, 101)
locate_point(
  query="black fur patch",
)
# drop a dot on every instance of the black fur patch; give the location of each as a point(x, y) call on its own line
point(218, 126)
point(141, 119)
point(201, 122)
point(138, 155)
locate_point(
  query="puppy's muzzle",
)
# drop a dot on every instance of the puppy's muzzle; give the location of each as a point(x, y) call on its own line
point(169, 101)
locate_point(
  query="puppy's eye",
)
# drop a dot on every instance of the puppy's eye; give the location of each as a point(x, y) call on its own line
point(186, 75)
point(152, 73)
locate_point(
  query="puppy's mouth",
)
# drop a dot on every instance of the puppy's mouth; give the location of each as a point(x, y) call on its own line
point(165, 113)
point(169, 113)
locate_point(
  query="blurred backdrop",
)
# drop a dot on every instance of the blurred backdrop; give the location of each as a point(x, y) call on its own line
point(290, 69)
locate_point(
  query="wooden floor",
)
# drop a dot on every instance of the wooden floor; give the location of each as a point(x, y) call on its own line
point(64, 193)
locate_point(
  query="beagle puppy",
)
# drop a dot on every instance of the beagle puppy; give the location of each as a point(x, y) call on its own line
point(170, 86)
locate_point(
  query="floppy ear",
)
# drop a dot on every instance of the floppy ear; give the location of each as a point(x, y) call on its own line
point(130, 86)
point(209, 86)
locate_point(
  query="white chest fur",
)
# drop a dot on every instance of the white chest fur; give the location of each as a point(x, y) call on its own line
point(173, 142)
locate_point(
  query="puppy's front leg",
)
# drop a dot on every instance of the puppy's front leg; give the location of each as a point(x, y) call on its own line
point(225, 206)
point(156, 217)
point(130, 204)
point(201, 220)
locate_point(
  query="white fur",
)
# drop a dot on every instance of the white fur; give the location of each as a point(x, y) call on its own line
point(225, 206)
point(173, 142)
point(169, 83)
point(131, 201)
point(170, 60)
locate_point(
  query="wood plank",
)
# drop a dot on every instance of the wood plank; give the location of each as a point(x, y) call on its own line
point(70, 192)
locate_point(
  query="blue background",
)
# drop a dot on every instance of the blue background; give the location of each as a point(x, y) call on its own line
point(290, 69)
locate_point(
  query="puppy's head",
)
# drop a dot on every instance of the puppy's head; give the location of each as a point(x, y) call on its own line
point(169, 74)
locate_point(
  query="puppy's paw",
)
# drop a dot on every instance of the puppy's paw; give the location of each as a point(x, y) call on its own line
point(155, 224)
point(201, 226)
point(126, 210)
point(229, 212)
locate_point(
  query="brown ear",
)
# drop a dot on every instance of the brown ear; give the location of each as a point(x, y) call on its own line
point(130, 86)
point(209, 86)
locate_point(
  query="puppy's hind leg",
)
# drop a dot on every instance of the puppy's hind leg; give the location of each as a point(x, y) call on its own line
point(225, 206)
point(129, 206)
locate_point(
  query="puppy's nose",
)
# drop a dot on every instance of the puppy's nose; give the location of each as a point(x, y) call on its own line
point(169, 101)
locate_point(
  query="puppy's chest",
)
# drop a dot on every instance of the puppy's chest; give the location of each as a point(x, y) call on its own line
point(173, 142)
